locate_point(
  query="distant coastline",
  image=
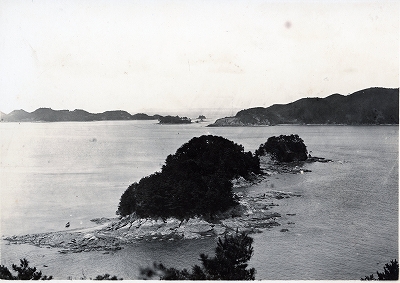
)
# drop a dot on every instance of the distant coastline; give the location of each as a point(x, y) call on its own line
point(78, 115)
point(372, 106)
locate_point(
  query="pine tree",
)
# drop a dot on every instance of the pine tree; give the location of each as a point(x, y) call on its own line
point(390, 272)
point(24, 272)
point(229, 263)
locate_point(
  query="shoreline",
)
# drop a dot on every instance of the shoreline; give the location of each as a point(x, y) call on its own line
point(251, 215)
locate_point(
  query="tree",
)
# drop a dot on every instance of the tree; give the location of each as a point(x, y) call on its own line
point(196, 180)
point(24, 272)
point(284, 148)
point(127, 203)
point(390, 272)
point(229, 263)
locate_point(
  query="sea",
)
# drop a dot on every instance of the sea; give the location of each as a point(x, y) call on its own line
point(343, 227)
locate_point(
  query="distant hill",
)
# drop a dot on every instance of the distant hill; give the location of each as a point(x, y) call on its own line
point(365, 107)
point(50, 115)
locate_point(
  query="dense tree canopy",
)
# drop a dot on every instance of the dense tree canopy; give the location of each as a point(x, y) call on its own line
point(284, 148)
point(196, 180)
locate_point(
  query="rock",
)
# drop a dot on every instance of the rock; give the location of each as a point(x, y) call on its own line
point(253, 214)
point(101, 220)
point(190, 235)
point(164, 231)
point(196, 225)
point(233, 223)
point(284, 230)
point(219, 230)
point(172, 223)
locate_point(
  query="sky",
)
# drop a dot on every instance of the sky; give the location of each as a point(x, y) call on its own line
point(154, 56)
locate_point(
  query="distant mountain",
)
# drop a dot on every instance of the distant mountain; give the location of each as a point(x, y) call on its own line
point(365, 107)
point(50, 115)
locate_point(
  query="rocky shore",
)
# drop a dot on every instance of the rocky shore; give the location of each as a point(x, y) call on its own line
point(251, 215)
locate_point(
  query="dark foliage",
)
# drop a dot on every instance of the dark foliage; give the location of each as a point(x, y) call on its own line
point(229, 263)
point(127, 204)
point(284, 148)
point(215, 155)
point(196, 180)
point(107, 277)
point(5, 273)
point(174, 120)
point(390, 272)
point(24, 272)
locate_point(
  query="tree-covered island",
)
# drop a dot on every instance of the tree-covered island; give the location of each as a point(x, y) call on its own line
point(174, 120)
point(191, 197)
point(195, 181)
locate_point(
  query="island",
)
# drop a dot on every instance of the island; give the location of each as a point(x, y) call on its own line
point(77, 115)
point(174, 120)
point(372, 106)
point(195, 195)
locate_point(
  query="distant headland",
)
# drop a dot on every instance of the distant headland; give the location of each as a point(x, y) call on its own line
point(370, 106)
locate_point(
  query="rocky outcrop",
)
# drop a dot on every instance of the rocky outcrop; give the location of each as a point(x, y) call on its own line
point(252, 215)
point(270, 166)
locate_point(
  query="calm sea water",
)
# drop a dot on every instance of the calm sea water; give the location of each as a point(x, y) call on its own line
point(345, 224)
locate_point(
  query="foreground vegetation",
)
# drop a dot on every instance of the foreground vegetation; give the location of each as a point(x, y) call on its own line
point(24, 272)
point(390, 272)
point(229, 263)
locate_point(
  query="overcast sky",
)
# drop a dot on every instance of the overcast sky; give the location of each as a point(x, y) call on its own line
point(143, 55)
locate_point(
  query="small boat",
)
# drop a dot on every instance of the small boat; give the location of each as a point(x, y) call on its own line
point(67, 225)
